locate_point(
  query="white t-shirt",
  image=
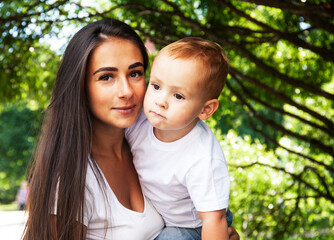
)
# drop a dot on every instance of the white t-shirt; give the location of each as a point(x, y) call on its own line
point(181, 177)
point(109, 219)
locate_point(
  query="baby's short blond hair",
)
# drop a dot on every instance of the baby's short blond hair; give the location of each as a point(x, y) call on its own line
point(211, 56)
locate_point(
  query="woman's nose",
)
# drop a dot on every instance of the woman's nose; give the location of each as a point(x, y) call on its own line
point(125, 90)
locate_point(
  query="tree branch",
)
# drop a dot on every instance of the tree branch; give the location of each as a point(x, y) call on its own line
point(298, 178)
point(281, 111)
point(21, 17)
point(273, 124)
point(322, 180)
point(245, 52)
point(282, 97)
point(280, 234)
point(316, 10)
point(326, 54)
point(266, 136)
point(315, 14)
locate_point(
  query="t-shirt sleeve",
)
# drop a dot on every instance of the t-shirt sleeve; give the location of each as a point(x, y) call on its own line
point(208, 184)
point(87, 205)
point(132, 131)
point(89, 199)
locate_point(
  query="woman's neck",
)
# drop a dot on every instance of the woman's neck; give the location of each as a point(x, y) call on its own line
point(107, 142)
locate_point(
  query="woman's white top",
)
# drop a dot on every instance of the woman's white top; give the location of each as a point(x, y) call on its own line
point(109, 219)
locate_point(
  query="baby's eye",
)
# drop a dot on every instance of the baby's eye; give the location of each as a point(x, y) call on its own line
point(178, 96)
point(106, 77)
point(155, 86)
point(135, 74)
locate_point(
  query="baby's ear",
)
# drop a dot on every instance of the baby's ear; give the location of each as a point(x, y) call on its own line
point(209, 108)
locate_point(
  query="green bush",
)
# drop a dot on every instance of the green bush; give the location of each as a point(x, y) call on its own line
point(19, 128)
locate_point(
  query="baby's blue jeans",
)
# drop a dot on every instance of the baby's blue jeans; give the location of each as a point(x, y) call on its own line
point(172, 233)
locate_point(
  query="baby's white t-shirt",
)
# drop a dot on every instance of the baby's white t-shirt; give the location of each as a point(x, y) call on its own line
point(181, 177)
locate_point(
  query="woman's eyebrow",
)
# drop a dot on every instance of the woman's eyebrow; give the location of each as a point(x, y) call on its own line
point(137, 64)
point(110, 69)
point(113, 69)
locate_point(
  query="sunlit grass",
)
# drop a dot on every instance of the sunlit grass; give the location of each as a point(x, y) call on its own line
point(8, 206)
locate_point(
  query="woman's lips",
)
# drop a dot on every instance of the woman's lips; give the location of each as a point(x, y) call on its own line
point(125, 109)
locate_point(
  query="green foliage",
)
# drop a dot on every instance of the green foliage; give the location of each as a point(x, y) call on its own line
point(19, 128)
point(28, 73)
point(28, 68)
point(260, 195)
point(275, 120)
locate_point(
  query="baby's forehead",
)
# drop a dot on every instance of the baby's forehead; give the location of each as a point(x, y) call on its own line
point(166, 55)
point(191, 73)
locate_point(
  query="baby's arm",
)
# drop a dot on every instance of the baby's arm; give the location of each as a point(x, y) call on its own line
point(214, 225)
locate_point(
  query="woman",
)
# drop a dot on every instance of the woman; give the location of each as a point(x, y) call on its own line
point(98, 92)
point(83, 182)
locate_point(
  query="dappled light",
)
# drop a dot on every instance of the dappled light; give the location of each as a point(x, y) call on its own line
point(275, 121)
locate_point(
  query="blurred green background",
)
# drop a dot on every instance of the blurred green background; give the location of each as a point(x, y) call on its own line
point(276, 117)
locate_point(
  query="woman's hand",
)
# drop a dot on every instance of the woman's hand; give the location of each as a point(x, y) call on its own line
point(233, 234)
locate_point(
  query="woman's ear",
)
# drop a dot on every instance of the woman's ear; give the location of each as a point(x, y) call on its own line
point(209, 108)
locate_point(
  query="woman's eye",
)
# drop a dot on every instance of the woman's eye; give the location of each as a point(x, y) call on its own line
point(155, 86)
point(178, 96)
point(106, 77)
point(136, 74)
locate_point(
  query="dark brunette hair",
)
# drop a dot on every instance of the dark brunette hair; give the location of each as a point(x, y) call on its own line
point(59, 169)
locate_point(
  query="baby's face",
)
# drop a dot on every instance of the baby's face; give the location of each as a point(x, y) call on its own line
point(174, 97)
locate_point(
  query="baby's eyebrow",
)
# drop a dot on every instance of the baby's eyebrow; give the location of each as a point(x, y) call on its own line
point(154, 78)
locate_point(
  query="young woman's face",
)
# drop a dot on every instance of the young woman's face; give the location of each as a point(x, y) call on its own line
point(116, 83)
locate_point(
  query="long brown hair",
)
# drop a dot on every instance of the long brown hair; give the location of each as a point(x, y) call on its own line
point(59, 169)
